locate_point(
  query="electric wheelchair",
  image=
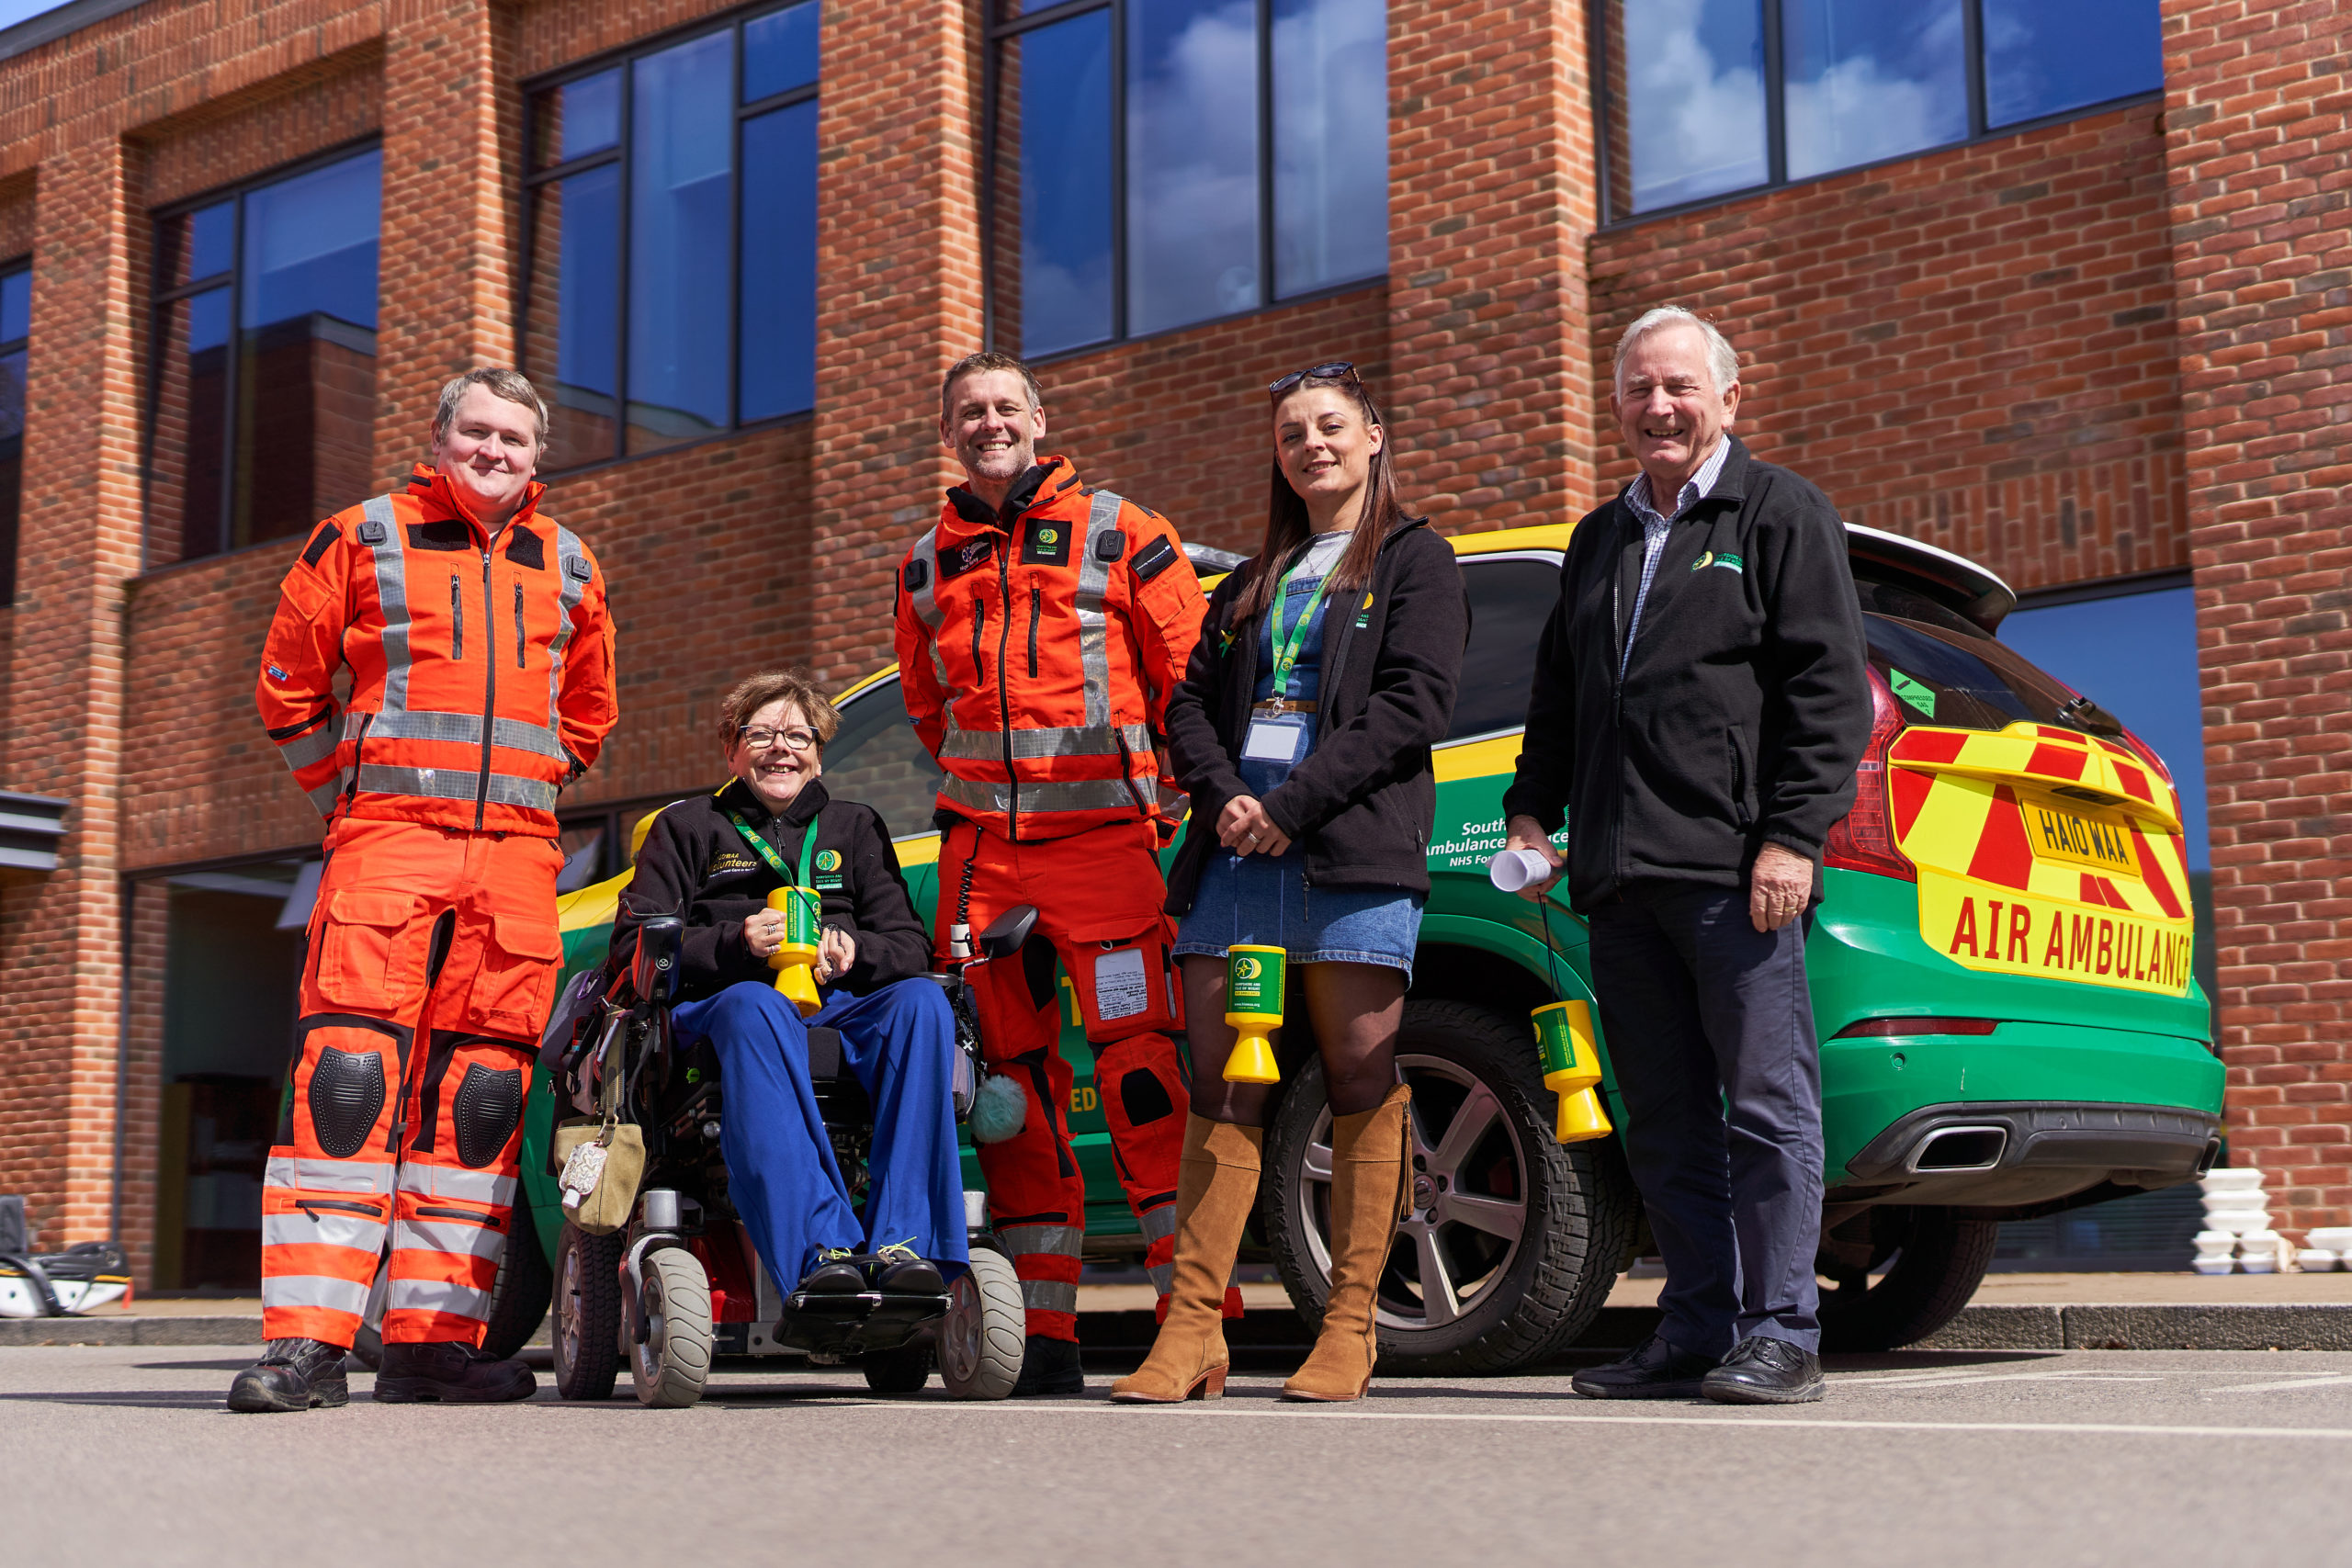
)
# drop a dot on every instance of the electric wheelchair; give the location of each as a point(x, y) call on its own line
point(681, 1281)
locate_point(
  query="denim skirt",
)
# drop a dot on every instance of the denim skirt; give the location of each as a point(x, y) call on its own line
point(1265, 900)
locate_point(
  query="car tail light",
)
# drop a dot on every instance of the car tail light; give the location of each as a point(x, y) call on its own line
point(1885, 1027)
point(1864, 839)
point(2148, 755)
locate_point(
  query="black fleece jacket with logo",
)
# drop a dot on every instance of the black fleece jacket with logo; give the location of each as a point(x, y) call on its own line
point(1361, 801)
point(1742, 712)
point(695, 864)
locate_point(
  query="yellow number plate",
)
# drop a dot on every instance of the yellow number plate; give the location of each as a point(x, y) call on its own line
point(2098, 840)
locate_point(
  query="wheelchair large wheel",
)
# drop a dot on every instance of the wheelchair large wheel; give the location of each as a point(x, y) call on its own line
point(672, 1364)
point(980, 1340)
point(587, 1315)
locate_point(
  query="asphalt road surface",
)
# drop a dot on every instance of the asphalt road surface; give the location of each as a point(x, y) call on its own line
point(126, 1455)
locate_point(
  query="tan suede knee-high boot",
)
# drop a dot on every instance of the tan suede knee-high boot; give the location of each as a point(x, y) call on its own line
point(1216, 1185)
point(1368, 1194)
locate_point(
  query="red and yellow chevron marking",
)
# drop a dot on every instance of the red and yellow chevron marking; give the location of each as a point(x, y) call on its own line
point(2041, 852)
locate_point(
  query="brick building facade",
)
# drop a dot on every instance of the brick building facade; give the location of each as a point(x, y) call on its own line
point(2102, 345)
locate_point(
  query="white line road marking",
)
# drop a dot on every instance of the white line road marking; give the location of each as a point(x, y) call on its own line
point(1230, 1413)
point(2314, 1379)
point(1945, 1379)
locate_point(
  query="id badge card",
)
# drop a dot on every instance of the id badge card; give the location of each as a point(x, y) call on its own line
point(1275, 737)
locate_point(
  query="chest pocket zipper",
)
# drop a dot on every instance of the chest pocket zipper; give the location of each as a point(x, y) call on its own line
point(519, 639)
point(1036, 613)
point(456, 621)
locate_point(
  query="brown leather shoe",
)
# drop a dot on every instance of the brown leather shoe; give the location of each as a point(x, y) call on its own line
point(1368, 1196)
point(1215, 1184)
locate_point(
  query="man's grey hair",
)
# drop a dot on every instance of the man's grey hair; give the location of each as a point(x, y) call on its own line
point(499, 381)
point(1723, 360)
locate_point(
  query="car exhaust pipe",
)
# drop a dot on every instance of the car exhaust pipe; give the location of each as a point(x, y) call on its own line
point(1950, 1149)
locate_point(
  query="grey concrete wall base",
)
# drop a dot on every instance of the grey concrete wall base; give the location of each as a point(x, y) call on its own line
point(2249, 1328)
point(129, 1331)
point(2001, 1328)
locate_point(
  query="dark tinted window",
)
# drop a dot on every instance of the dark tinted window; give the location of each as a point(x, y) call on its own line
point(1509, 601)
point(1971, 683)
point(876, 760)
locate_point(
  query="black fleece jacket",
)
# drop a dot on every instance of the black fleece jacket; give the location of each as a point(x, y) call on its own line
point(695, 864)
point(1742, 712)
point(1362, 802)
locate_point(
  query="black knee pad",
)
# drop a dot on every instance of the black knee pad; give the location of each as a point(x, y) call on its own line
point(1144, 1098)
point(346, 1096)
point(488, 1107)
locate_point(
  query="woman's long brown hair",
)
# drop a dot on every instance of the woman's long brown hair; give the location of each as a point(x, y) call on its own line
point(1286, 523)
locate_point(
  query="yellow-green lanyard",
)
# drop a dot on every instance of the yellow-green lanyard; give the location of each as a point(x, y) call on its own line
point(1287, 646)
point(768, 852)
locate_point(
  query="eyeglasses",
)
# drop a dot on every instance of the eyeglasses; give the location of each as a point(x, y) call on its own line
point(765, 740)
point(1330, 369)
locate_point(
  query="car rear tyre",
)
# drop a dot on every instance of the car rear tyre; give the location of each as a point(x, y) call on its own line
point(1513, 1240)
point(981, 1340)
point(518, 1302)
point(671, 1367)
point(1933, 1264)
point(587, 1315)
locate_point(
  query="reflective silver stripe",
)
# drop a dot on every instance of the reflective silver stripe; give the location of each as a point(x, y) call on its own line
point(326, 794)
point(1094, 585)
point(435, 1295)
point(1062, 1239)
point(291, 1173)
point(465, 1186)
point(1080, 740)
point(1158, 1223)
point(456, 783)
point(391, 597)
point(314, 1291)
point(310, 747)
point(1162, 1276)
point(518, 735)
point(1173, 802)
point(448, 1235)
point(568, 548)
point(1083, 795)
point(1050, 1295)
point(925, 600)
point(324, 1227)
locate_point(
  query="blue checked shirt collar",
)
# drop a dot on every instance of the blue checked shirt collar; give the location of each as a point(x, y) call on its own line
point(1654, 528)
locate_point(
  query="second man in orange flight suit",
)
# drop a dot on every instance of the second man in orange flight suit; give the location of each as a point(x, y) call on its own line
point(1041, 627)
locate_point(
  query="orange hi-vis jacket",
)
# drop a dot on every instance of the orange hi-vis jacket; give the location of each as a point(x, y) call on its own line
point(482, 669)
point(1037, 650)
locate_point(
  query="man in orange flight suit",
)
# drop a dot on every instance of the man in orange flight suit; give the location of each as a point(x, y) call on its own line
point(481, 657)
point(1041, 627)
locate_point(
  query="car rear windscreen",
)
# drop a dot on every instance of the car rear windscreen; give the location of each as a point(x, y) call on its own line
point(1967, 680)
point(1510, 598)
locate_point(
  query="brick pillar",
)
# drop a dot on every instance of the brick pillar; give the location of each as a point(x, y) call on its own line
point(1491, 193)
point(453, 159)
point(898, 301)
point(79, 544)
point(2263, 264)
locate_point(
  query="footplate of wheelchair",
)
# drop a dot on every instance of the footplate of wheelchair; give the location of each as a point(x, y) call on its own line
point(853, 1324)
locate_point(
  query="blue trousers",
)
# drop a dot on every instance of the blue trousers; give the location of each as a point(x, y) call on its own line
point(900, 1042)
point(1710, 1029)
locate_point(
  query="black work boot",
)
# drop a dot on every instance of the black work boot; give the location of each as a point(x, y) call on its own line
point(1049, 1370)
point(1655, 1370)
point(898, 1272)
point(1766, 1371)
point(836, 1274)
point(451, 1374)
point(292, 1374)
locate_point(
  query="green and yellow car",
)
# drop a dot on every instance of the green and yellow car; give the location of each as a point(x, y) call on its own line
point(2009, 1024)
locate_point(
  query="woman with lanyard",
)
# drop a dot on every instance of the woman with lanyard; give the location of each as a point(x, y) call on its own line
point(1326, 671)
point(714, 860)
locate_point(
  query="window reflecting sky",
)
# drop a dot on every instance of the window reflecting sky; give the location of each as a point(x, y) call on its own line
point(779, 52)
point(1063, 113)
point(311, 244)
point(1867, 80)
point(1192, 161)
point(16, 305)
point(2047, 56)
point(681, 148)
point(588, 281)
point(1694, 91)
point(2136, 656)
point(777, 349)
point(1330, 143)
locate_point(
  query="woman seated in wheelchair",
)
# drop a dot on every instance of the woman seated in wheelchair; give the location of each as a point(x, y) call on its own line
point(714, 860)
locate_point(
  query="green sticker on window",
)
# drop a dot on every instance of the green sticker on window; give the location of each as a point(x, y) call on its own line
point(1912, 692)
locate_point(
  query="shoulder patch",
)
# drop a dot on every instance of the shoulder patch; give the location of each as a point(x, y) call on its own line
point(319, 542)
point(1111, 546)
point(965, 556)
point(916, 574)
point(1155, 559)
point(525, 549)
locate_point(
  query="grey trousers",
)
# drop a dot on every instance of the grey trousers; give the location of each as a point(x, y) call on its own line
point(1710, 1029)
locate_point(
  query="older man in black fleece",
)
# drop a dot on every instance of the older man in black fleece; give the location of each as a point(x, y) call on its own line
point(1699, 706)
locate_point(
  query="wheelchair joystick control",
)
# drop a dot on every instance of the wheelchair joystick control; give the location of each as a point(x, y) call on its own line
point(1253, 1006)
point(795, 960)
point(1571, 1070)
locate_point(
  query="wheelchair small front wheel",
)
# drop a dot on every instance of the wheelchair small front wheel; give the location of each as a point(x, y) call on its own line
point(981, 1339)
point(671, 1367)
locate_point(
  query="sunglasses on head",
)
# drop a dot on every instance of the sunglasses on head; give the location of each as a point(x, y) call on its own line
point(1330, 369)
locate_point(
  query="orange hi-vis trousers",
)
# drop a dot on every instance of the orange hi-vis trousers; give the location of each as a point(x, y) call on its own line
point(432, 962)
point(1097, 895)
